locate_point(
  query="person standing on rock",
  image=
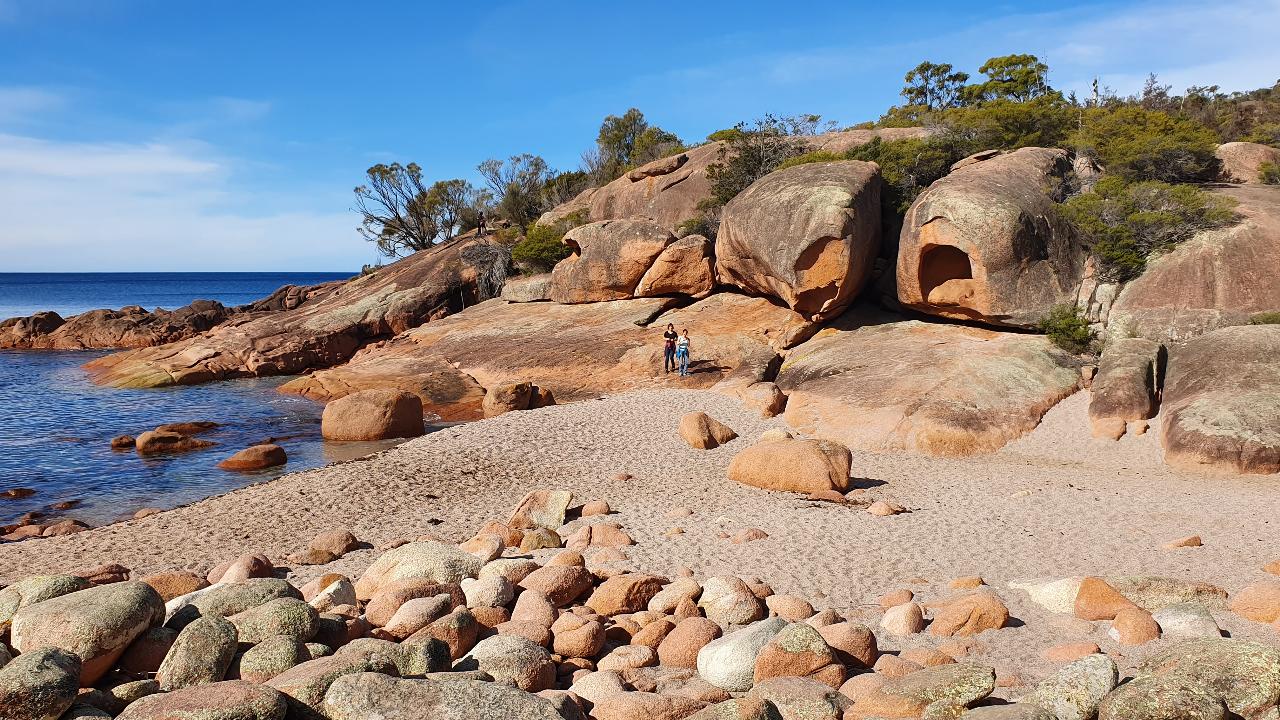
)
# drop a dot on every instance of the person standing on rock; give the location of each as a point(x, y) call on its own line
point(480, 225)
point(682, 353)
point(669, 348)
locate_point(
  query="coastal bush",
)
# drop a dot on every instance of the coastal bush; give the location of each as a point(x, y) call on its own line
point(911, 165)
point(541, 248)
point(701, 224)
point(1139, 144)
point(755, 150)
point(1266, 318)
point(1126, 223)
point(517, 184)
point(1067, 327)
point(1269, 173)
point(628, 141)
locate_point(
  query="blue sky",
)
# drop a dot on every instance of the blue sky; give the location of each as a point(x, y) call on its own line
point(172, 135)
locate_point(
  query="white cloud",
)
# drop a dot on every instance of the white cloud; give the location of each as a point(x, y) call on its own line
point(77, 206)
point(20, 104)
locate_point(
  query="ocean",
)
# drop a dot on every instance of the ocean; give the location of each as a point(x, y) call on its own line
point(56, 426)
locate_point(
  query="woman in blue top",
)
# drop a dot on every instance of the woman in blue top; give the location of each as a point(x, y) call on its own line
point(682, 353)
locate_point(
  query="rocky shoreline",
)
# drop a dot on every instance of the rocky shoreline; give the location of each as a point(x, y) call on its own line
point(986, 590)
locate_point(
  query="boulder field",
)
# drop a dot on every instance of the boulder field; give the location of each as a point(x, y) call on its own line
point(983, 256)
point(483, 630)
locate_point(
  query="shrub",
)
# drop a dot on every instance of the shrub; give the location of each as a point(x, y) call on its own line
point(1004, 124)
point(541, 248)
point(753, 151)
point(1067, 328)
point(701, 224)
point(725, 135)
point(1269, 173)
point(909, 166)
point(1266, 318)
point(1139, 144)
point(1129, 222)
point(815, 156)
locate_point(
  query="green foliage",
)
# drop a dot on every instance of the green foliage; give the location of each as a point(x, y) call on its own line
point(1266, 318)
point(1019, 78)
point(1139, 144)
point(1127, 223)
point(401, 214)
point(814, 156)
point(726, 135)
point(1067, 328)
point(1004, 124)
point(541, 248)
point(909, 166)
point(753, 151)
point(628, 141)
point(1268, 134)
point(518, 185)
point(934, 86)
point(1269, 173)
point(701, 224)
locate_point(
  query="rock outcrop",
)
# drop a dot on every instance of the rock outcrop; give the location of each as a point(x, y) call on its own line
point(1125, 388)
point(533, 288)
point(1217, 278)
point(129, 327)
point(986, 243)
point(685, 267)
point(316, 334)
point(1221, 407)
point(1242, 161)
point(806, 235)
point(574, 351)
point(608, 260)
point(668, 191)
point(932, 388)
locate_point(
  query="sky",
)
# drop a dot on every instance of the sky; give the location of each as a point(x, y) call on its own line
point(174, 135)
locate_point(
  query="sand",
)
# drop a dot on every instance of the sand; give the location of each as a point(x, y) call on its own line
point(1053, 504)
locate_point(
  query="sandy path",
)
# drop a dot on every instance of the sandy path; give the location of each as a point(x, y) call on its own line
point(1053, 504)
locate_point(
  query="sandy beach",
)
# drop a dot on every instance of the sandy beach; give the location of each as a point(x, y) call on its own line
point(1053, 504)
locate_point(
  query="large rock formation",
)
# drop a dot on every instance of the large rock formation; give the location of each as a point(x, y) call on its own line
point(1217, 278)
point(129, 327)
point(932, 388)
point(806, 235)
point(685, 267)
point(1242, 161)
point(668, 191)
point(609, 258)
point(985, 242)
point(316, 334)
point(575, 351)
point(1222, 401)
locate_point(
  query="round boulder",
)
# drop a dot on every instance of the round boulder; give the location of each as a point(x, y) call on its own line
point(376, 414)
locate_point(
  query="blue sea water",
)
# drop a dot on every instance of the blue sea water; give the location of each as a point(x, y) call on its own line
point(72, 293)
point(56, 425)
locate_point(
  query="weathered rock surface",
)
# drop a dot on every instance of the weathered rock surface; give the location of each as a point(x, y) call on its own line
point(575, 351)
point(685, 267)
point(39, 685)
point(427, 560)
point(806, 235)
point(256, 457)
point(96, 624)
point(729, 662)
point(201, 654)
point(1192, 678)
point(955, 685)
point(806, 466)
point(129, 327)
point(1125, 387)
point(34, 589)
point(230, 700)
point(316, 334)
point(704, 432)
point(533, 288)
point(608, 260)
point(1217, 278)
point(985, 242)
point(375, 414)
point(1073, 693)
point(950, 390)
point(1222, 402)
point(1242, 161)
point(360, 696)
